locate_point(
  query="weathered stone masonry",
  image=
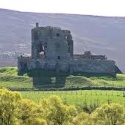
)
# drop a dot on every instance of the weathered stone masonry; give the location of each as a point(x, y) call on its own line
point(52, 49)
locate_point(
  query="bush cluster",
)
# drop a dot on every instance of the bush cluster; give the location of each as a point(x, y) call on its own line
point(52, 111)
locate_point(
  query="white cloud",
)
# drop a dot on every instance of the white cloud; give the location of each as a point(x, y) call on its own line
point(95, 7)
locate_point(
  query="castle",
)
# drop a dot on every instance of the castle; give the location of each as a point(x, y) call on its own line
point(52, 50)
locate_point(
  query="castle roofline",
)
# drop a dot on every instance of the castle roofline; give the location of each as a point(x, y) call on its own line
point(46, 27)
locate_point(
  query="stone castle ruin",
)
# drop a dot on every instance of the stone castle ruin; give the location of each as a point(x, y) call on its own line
point(52, 50)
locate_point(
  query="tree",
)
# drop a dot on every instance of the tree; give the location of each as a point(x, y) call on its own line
point(82, 118)
point(109, 114)
point(8, 107)
point(26, 112)
point(56, 112)
point(38, 121)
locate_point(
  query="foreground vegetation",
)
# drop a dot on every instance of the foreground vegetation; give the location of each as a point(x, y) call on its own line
point(53, 111)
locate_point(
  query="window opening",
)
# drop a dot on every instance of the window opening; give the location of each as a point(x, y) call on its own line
point(58, 57)
point(57, 34)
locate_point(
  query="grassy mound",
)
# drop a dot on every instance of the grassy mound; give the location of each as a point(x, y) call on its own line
point(9, 78)
point(119, 81)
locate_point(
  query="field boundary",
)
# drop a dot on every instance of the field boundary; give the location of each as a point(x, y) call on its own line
point(67, 89)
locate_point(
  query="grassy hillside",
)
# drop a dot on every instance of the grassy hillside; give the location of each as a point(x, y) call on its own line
point(9, 78)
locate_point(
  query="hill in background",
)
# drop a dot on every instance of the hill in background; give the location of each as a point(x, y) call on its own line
point(100, 35)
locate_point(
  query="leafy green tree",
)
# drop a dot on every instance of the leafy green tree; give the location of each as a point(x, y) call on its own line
point(56, 112)
point(8, 107)
point(82, 118)
point(26, 112)
point(109, 114)
point(38, 121)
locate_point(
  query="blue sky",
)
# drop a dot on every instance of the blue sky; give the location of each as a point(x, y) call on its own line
point(89, 7)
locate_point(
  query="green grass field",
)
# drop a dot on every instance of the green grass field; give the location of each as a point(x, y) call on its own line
point(9, 78)
point(79, 97)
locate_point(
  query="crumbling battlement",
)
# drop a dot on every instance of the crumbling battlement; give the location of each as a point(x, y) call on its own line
point(88, 55)
point(52, 49)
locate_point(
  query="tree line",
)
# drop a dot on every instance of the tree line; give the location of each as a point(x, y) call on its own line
point(14, 110)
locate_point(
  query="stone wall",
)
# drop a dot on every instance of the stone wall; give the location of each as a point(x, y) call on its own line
point(94, 66)
point(72, 66)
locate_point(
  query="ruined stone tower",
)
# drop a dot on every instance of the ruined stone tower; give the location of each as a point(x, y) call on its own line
point(51, 43)
point(52, 50)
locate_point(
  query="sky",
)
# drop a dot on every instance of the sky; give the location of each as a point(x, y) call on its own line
point(88, 7)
